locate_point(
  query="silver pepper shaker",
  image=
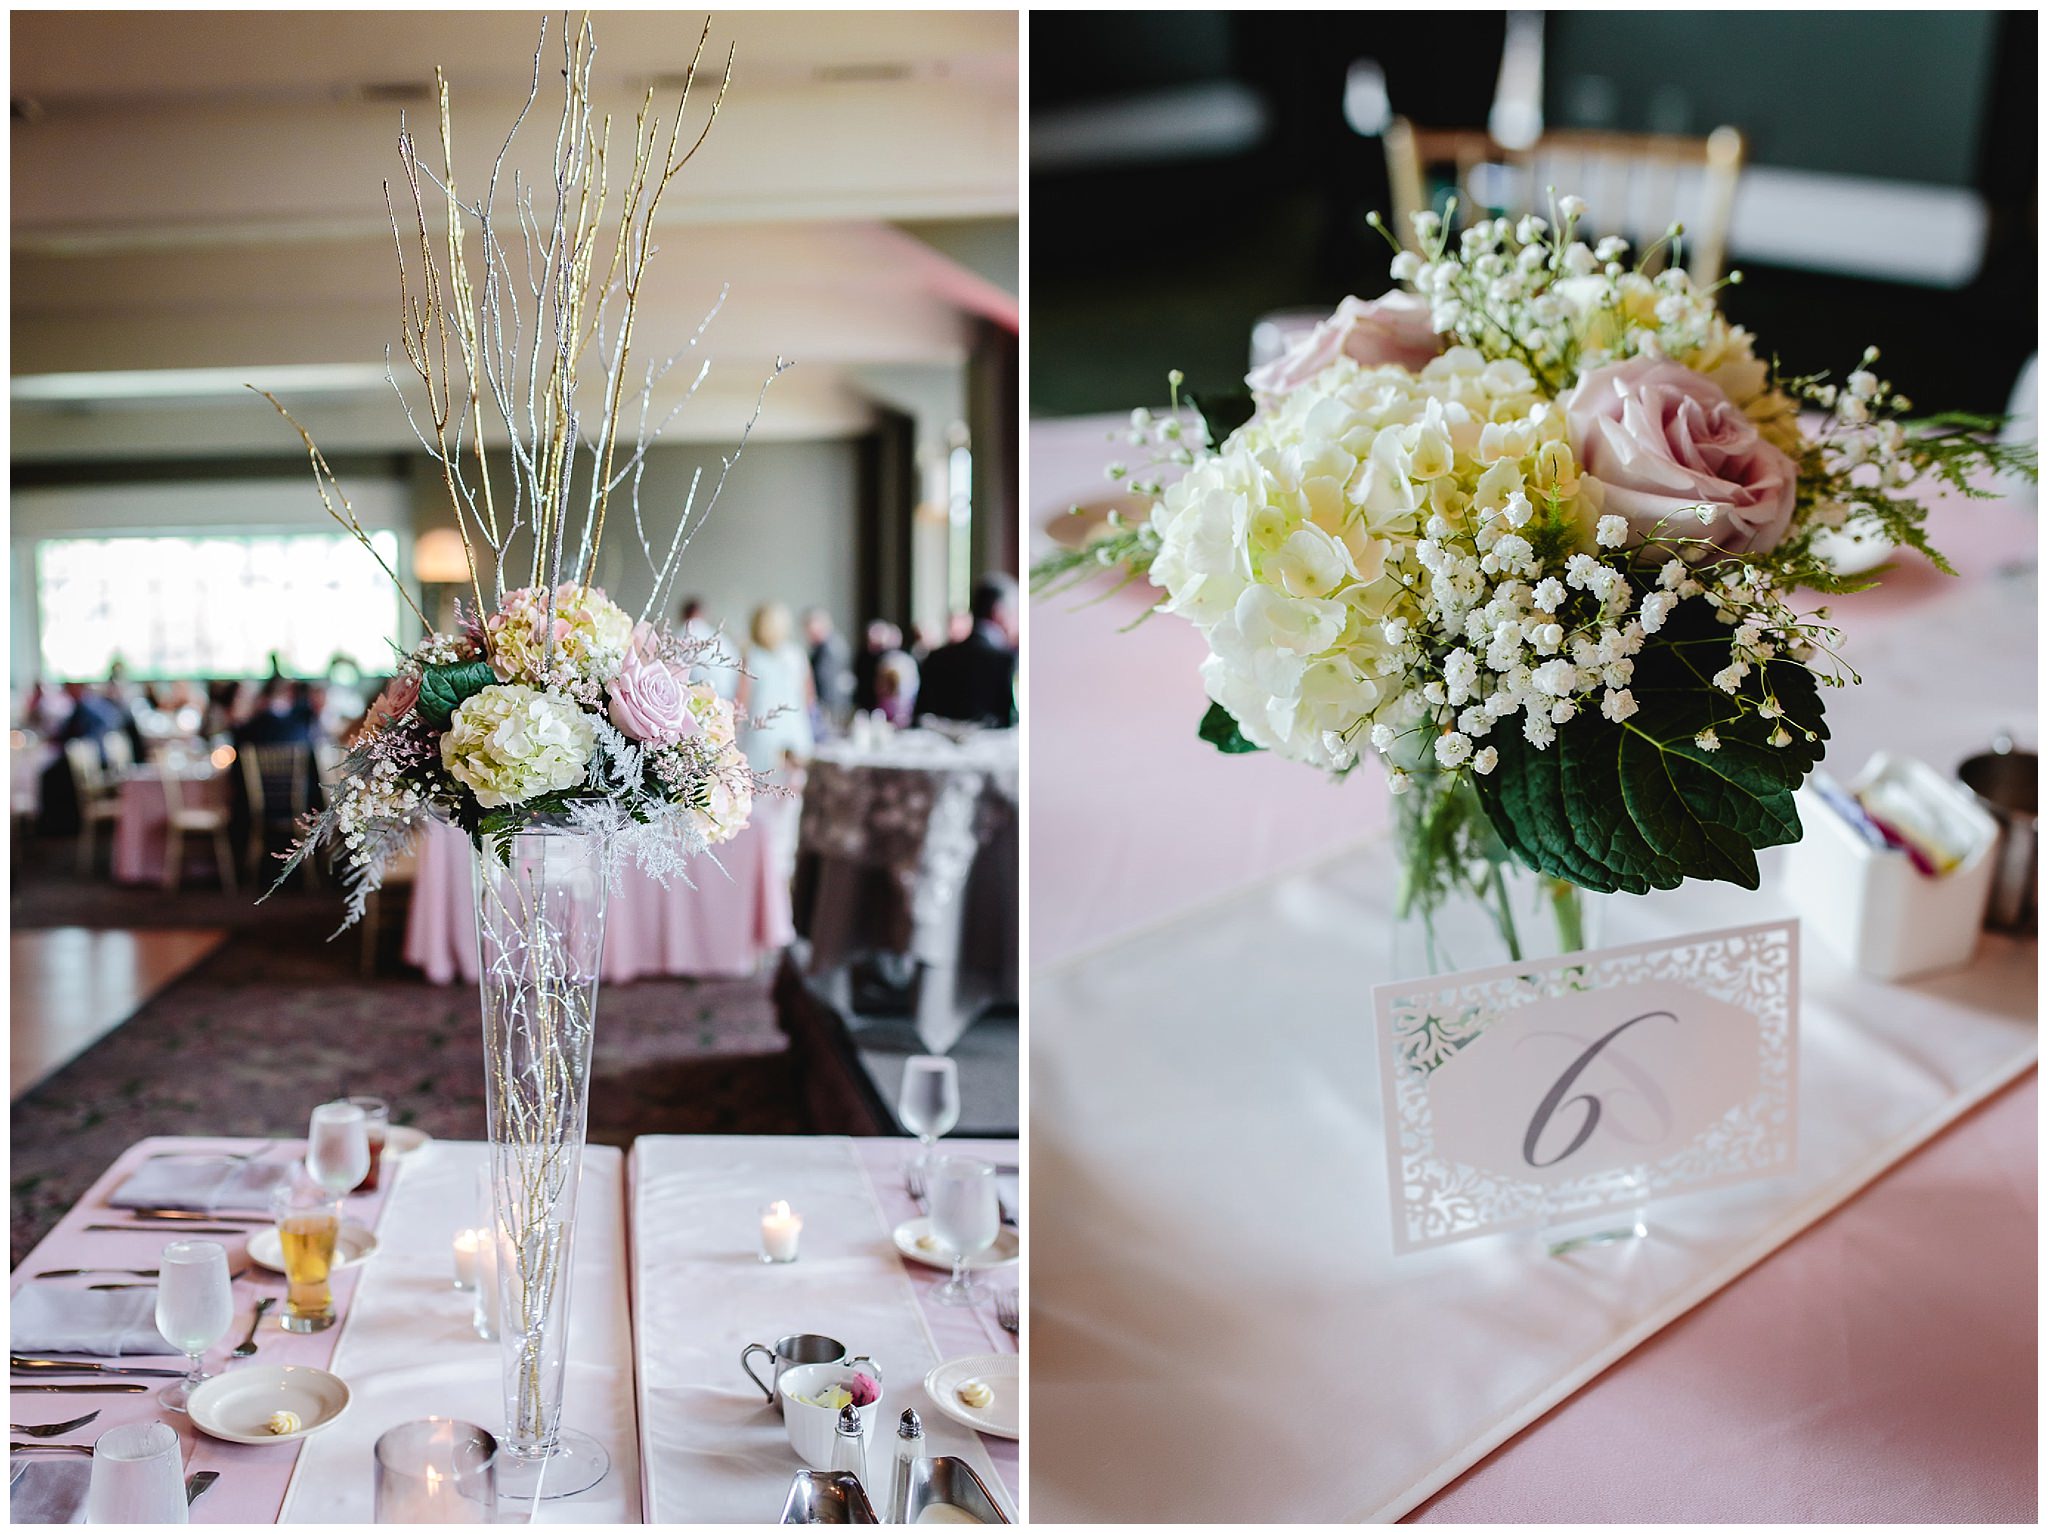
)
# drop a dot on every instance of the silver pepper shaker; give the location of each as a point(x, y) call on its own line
point(909, 1450)
point(849, 1448)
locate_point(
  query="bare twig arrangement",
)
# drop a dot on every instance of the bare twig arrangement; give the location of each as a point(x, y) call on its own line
point(513, 341)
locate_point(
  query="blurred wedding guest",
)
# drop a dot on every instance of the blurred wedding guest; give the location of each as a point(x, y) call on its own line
point(722, 678)
point(47, 709)
point(220, 715)
point(775, 699)
point(831, 671)
point(896, 689)
point(92, 717)
point(975, 679)
point(922, 641)
point(284, 717)
point(881, 637)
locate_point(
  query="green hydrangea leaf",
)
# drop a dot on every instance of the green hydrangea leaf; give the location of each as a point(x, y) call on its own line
point(443, 688)
point(1220, 730)
point(1641, 805)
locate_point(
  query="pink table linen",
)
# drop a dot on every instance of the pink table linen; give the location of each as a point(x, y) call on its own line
point(139, 833)
point(721, 927)
point(1134, 822)
point(957, 1329)
point(252, 1483)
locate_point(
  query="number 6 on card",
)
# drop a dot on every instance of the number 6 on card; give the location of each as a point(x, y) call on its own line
point(1539, 1092)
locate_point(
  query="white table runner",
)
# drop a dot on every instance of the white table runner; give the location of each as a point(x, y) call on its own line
point(715, 1451)
point(408, 1351)
point(1205, 1114)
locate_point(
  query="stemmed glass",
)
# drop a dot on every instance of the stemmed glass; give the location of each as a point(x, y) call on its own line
point(195, 1306)
point(929, 1102)
point(965, 1220)
point(338, 1146)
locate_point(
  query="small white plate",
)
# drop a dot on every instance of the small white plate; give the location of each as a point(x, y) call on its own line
point(1001, 1255)
point(352, 1246)
point(402, 1140)
point(236, 1406)
point(998, 1371)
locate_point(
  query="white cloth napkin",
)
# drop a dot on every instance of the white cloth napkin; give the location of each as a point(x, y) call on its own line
point(205, 1184)
point(109, 1323)
point(48, 1488)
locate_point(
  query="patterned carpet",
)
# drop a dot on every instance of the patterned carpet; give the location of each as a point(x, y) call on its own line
point(280, 1019)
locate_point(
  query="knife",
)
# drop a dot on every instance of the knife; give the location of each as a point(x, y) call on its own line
point(83, 1272)
point(21, 1365)
point(217, 1216)
point(234, 1278)
point(195, 1486)
point(197, 1230)
point(81, 1389)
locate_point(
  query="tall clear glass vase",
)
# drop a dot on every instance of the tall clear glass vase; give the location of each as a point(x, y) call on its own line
point(540, 905)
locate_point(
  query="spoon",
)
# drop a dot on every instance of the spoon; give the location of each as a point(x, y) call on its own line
point(247, 1349)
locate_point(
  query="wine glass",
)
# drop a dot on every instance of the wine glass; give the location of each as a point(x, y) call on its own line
point(929, 1102)
point(965, 1220)
point(138, 1474)
point(338, 1146)
point(194, 1308)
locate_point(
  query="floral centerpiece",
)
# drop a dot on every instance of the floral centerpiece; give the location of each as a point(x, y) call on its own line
point(1532, 531)
point(560, 731)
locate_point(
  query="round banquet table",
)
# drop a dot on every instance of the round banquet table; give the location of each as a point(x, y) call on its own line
point(721, 926)
point(139, 831)
point(1878, 1366)
point(908, 846)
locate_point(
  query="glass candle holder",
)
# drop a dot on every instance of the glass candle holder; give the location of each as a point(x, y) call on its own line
point(436, 1470)
point(467, 1243)
point(780, 1228)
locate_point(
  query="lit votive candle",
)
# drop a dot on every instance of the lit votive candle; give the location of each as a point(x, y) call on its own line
point(467, 1243)
point(779, 1231)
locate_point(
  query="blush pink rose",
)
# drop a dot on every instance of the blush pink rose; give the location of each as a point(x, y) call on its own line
point(650, 700)
point(1371, 332)
point(1664, 442)
point(394, 702)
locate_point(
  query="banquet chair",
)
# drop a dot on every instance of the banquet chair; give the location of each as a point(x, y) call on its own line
point(276, 777)
point(99, 797)
point(119, 752)
point(401, 871)
point(196, 820)
point(1635, 184)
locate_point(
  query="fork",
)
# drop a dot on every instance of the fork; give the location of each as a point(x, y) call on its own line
point(51, 1429)
point(913, 1183)
point(1006, 1310)
point(49, 1448)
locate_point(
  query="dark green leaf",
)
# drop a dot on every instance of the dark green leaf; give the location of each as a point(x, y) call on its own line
point(1641, 805)
point(443, 688)
point(1220, 730)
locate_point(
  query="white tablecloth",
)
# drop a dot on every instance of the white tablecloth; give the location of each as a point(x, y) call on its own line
point(715, 1451)
point(408, 1351)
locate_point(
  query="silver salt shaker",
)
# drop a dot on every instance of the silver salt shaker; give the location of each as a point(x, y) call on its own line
point(909, 1450)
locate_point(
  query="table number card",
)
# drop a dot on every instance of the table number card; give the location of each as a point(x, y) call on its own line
point(1550, 1091)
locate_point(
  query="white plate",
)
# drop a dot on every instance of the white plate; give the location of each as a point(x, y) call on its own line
point(402, 1140)
point(1001, 1255)
point(237, 1405)
point(998, 1371)
point(350, 1247)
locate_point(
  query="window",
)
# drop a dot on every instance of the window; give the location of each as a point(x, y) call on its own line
point(214, 605)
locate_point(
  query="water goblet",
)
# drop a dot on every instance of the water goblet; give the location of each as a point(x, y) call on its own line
point(966, 1217)
point(137, 1471)
point(338, 1146)
point(195, 1306)
point(929, 1102)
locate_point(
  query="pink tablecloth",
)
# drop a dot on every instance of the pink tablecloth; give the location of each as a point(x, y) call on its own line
point(139, 833)
point(721, 927)
point(1882, 1364)
point(252, 1480)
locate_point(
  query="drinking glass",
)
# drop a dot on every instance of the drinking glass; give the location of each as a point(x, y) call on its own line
point(436, 1470)
point(929, 1102)
point(338, 1146)
point(308, 1224)
point(195, 1306)
point(376, 1124)
point(138, 1475)
point(965, 1220)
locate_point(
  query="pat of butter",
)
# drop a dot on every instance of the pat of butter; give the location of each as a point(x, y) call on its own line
point(282, 1422)
point(927, 1242)
point(976, 1394)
